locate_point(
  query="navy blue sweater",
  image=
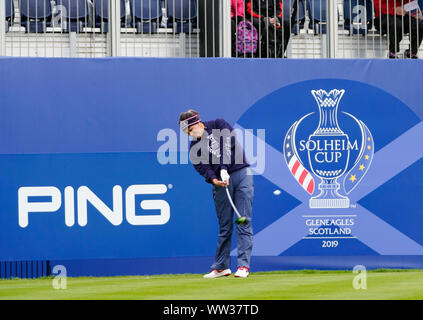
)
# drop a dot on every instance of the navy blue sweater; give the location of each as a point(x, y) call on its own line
point(216, 150)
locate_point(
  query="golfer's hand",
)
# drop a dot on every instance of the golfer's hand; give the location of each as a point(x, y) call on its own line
point(218, 183)
point(224, 175)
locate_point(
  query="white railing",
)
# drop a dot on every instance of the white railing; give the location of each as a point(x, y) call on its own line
point(204, 28)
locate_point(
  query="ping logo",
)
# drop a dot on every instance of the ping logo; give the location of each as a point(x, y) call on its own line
point(329, 153)
point(84, 195)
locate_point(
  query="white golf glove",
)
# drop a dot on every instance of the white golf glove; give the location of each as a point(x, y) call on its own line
point(224, 175)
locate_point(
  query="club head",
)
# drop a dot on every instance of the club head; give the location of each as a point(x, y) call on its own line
point(241, 221)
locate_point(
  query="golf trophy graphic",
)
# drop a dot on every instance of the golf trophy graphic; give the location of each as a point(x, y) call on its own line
point(329, 153)
point(329, 159)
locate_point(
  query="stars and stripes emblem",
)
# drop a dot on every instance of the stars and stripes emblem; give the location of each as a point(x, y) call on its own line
point(301, 175)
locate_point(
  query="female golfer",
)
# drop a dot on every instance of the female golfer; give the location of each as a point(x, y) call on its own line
point(215, 154)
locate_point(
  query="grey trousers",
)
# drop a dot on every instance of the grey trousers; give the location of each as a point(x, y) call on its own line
point(241, 189)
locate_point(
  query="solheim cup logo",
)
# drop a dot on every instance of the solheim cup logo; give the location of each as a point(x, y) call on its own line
point(330, 153)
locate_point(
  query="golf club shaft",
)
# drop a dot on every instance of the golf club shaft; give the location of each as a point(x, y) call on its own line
point(232, 203)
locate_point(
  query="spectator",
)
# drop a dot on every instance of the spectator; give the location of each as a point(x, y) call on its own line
point(391, 18)
point(273, 27)
point(237, 15)
point(237, 9)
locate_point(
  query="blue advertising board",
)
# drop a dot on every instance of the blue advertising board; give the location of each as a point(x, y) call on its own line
point(95, 168)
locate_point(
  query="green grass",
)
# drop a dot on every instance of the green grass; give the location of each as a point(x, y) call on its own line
point(306, 284)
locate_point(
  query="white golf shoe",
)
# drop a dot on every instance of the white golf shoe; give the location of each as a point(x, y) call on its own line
point(217, 274)
point(242, 272)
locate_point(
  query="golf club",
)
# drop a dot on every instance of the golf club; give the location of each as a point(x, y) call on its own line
point(240, 220)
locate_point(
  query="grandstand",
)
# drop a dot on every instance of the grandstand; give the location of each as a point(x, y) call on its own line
point(179, 28)
point(82, 28)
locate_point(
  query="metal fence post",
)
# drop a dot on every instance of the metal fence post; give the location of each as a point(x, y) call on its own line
point(332, 28)
point(113, 36)
point(225, 30)
point(2, 28)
